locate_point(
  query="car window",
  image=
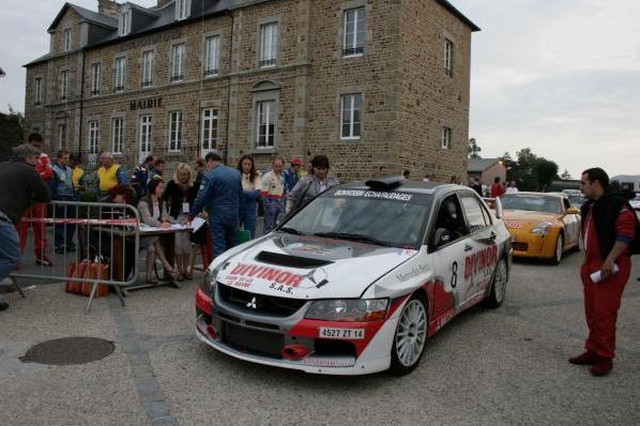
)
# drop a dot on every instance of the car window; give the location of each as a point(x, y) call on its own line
point(535, 203)
point(449, 218)
point(476, 216)
point(358, 214)
point(567, 204)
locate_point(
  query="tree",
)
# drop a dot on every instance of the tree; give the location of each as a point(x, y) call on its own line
point(531, 173)
point(473, 149)
point(11, 132)
point(565, 175)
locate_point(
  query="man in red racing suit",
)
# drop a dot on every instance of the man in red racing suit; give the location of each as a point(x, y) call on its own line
point(608, 227)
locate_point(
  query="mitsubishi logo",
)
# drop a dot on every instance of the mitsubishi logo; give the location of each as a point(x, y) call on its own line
point(252, 304)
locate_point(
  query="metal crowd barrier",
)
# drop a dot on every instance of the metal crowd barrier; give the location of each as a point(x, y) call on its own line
point(63, 233)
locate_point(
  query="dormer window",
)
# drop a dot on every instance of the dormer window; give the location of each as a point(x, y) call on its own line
point(183, 9)
point(66, 42)
point(124, 23)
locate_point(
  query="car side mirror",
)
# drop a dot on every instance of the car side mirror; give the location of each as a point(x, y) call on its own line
point(573, 210)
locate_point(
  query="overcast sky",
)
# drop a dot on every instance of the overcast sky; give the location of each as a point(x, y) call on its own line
point(559, 77)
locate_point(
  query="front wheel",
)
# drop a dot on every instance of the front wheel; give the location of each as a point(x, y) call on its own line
point(498, 286)
point(410, 337)
point(557, 256)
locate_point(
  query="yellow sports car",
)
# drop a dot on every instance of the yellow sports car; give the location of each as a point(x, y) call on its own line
point(542, 225)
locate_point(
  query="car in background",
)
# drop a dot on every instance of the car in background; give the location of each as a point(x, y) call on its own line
point(357, 280)
point(543, 225)
point(575, 196)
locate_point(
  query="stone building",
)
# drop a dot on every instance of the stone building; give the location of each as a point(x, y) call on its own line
point(368, 83)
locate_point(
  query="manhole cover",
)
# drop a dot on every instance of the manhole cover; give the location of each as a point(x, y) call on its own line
point(69, 350)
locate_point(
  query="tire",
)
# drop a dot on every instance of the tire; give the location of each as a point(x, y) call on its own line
point(409, 340)
point(557, 254)
point(498, 285)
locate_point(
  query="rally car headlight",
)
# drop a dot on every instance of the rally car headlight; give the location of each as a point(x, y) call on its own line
point(355, 310)
point(208, 283)
point(542, 228)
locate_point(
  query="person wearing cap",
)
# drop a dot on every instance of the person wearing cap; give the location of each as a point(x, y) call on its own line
point(20, 186)
point(292, 175)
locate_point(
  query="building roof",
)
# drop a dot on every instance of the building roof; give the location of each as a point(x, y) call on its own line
point(451, 8)
point(87, 15)
point(165, 18)
point(481, 164)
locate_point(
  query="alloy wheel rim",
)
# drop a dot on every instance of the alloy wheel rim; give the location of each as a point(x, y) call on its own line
point(559, 245)
point(411, 333)
point(500, 282)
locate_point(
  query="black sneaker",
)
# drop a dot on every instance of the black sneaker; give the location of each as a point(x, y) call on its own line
point(60, 250)
point(3, 305)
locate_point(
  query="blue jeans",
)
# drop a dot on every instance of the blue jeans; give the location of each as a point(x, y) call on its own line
point(9, 249)
point(223, 235)
point(272, 208)
point(248, 214)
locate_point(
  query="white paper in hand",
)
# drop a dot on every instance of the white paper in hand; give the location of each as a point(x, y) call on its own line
point(197, 223)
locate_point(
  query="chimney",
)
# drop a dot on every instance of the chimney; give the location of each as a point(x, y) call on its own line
point(108, 8)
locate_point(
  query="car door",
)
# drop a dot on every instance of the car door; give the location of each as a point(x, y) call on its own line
point(571, 224)
point(481, 248)
point(448, 247)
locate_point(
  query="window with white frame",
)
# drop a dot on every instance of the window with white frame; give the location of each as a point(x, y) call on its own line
point(446, 138)
point(209, 132)
point(212, 55)
point(95, 78)
point(268, 45)
point(121, 68)
point(265, 124)
point(66, 39)
point(353, 44)
point(37, 91)
point(178, 53)
point(183, 9)
point(124, 23)
point(175, 131)
point(351, 124)
point(117, 133)
point(62, 135)
point(147, 68)
point(448, 57)
point(64, 84)
point(94, 136)
point(146, 122)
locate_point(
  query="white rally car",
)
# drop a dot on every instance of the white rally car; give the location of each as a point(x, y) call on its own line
point(357, 280)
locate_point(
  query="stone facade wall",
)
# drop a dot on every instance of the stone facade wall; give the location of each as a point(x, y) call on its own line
point(406, 97)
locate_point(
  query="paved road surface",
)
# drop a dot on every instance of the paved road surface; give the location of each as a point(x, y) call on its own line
point(494, 367)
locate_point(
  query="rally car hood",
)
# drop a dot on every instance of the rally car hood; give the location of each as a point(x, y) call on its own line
point(309, 267)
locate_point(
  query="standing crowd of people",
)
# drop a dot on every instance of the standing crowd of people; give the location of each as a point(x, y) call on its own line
point(228, 198)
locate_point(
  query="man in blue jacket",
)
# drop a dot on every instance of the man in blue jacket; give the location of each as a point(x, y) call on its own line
point(220, 193)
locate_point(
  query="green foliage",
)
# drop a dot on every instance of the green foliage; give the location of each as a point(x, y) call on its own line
point(531, 172)
point(11, 132)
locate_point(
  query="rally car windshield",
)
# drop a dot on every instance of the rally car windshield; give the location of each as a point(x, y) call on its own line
point(395, 222)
